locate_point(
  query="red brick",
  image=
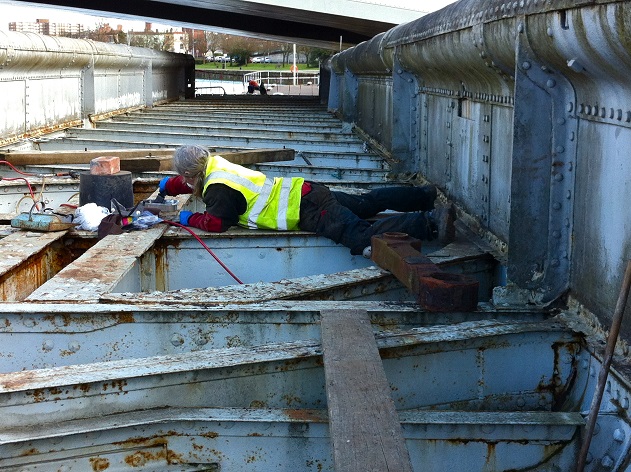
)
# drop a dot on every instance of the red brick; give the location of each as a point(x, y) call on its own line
point(105, 165)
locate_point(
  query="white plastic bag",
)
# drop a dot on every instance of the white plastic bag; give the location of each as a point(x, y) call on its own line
point(89, 216)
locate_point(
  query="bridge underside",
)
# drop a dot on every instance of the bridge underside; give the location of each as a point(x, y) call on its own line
point(289, 22)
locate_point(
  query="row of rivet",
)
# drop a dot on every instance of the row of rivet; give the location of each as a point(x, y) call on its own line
point(601, 112)
point(489, 97)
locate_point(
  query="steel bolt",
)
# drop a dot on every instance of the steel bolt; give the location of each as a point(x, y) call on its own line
point(551, 83)
point(48, 345)
point(525, 65)
point(607, 462)
point(618, 435)
point(177, 340)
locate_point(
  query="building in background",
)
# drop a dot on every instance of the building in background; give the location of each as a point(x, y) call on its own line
point(43, 26)
point(172, 39)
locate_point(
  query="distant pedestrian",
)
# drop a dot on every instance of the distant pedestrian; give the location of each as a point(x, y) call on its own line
point(252, 86)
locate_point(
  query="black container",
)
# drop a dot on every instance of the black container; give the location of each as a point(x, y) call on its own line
point(100, 189)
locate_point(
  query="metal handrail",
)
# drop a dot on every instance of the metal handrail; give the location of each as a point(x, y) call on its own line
point(283, 78)
point(209, 87)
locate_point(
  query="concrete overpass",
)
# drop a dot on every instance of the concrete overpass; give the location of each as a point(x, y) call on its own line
point(311, 22)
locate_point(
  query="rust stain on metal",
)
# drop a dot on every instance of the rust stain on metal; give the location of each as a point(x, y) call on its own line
point(318, 465)
point(140, 458)
point(101, 264)
point(125, 318)
point(29, 452)
point(116, 385)
point(161, 266)
point(148, 442)
point(38, 395)
point(562, 390)
point(291, 399)
point(490, 453)
point(39, 132)
point(210, 434)
point(305, 415)
point(435, 289)
point(174, 458)
point(99, 463)
point(17, 380)
point(84, 387)
point(234, 341)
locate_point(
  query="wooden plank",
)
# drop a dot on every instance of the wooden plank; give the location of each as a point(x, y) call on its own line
point(25, 158)
point(139, 160)
point(363, 422)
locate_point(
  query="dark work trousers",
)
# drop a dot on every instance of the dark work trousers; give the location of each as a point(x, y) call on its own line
point(340, 216)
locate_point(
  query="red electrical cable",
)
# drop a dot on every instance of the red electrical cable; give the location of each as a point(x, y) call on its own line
point(30, 189)
point(206, 247)
point(15, 169)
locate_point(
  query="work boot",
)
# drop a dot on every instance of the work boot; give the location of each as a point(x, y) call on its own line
point(442, 220)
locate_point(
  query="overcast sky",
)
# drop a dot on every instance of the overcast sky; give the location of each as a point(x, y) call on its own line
point(16, 11)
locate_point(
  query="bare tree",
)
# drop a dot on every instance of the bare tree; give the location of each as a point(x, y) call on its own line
point(239, 48)
point(215, 41)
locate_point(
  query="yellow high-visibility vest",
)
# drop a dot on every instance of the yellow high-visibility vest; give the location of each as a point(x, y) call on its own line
point(271, 203)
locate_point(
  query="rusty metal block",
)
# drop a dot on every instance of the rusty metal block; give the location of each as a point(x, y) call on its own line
point(435, 289)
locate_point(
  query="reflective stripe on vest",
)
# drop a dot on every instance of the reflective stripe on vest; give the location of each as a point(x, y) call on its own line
point(271, 204)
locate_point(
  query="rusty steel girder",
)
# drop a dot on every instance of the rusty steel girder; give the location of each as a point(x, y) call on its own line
point(435, 289)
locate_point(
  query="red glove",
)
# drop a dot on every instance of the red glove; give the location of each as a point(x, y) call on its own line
point(207, 222)
point(177, 186)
